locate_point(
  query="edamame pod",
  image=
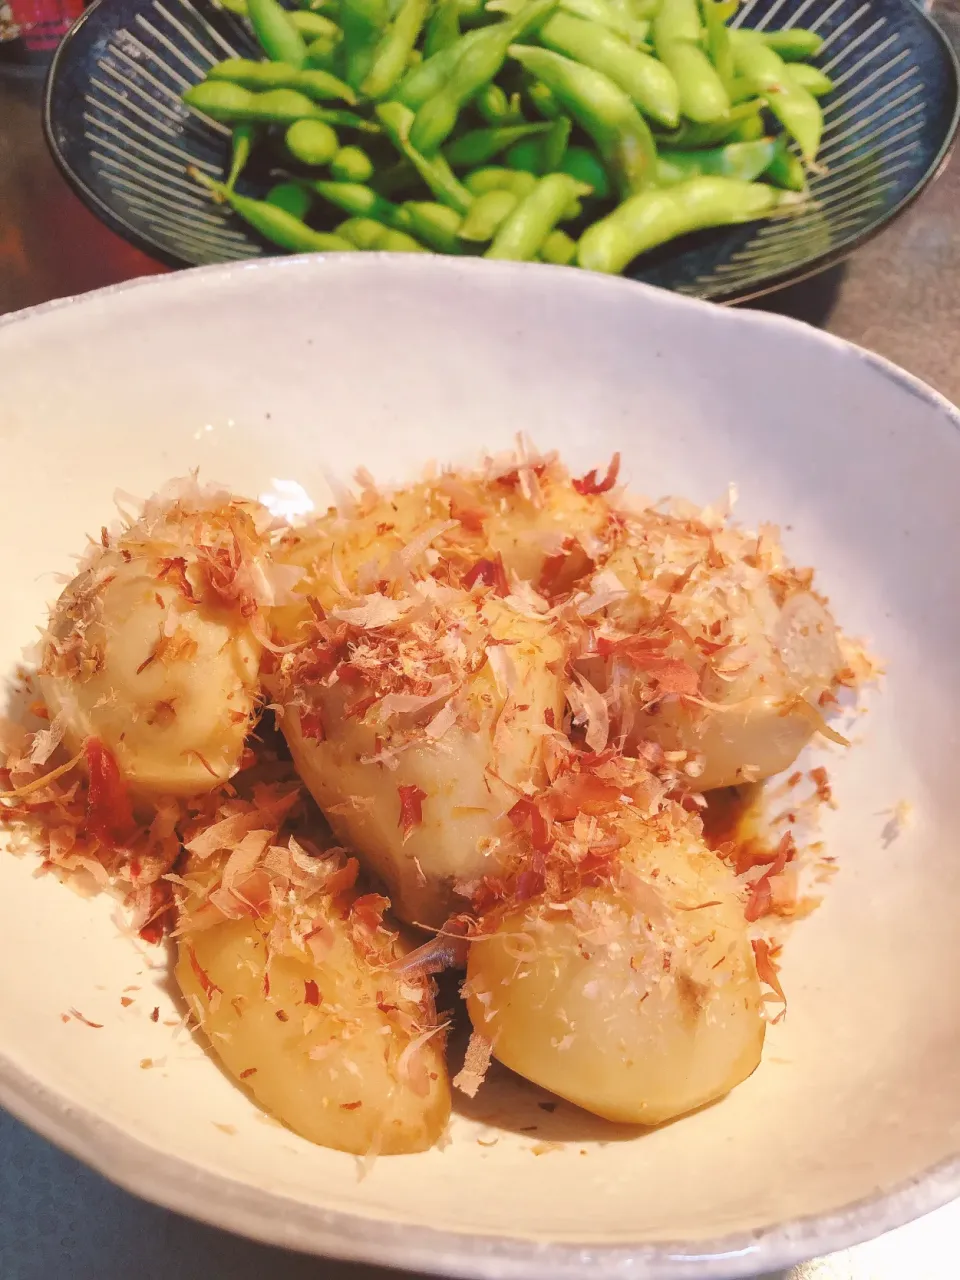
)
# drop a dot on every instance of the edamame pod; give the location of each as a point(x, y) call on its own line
point(240, 147)
point(276, 224)
point(443, 28)
point(480, 145)
point(676, 38)
point(655, 217)
point(350, 164)
point(496, 108)
point(487, 214)
point(810, 78)
point(544, 101)
point(553, 144)
point(796, 109)
point(317, 85)
point(786, 170)
point(586, 168)
point(314, 26)
point(394, 47)
point(648, 82)
point(435, 171)
point(492, 178)
point(232, 104)
point(744, 124)
point(475, 67)
point(428, 77)
point(559, 249)
point(321, 53)
point(743, 160)
point(794, 44)
point(603, 110)
point(394, 241)
point(291, 197)
point(312, 142)
point(363, 23)
point(523, 232)
point(435, 224)
point(362, 202)
point(279, 39)
point(363, 233)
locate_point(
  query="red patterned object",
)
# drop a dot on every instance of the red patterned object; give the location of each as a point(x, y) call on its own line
point(30, 30)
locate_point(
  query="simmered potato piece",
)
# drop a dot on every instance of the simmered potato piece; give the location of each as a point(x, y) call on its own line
point(150, 648)
point(322, 1034)
point(637, 1000)
point(514, 520)
point(713, 648)
point(419, 784)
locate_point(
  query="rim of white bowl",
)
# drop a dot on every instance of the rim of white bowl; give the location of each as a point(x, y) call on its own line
point(275, 1219)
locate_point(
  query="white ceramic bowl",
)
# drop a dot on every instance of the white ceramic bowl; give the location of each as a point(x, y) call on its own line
point(290, 368)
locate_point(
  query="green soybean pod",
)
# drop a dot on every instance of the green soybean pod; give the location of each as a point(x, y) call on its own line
point(291, 197)
point(796, 109)
point(435, 171)
point(313, 26)
point(278, 37)
point(435, 224)
point(363, 23)
point(395, 46)
point(321, 54)
point(526, 157)
point(743, 160)
point(363, 233)
point(559, 249)
point(793, 45)
point(786, 170)
point(676, 37)
point(648, 82)
point(745, 124)
point(662, 214)
point(588, 169)
point(487, 214)
point(810, 78)
point(350, 164)
point(317, 85)
point(481, 145)
point(362, 202)
point(718, 41)
point(544, 100)
point(493, 105)
point(602, 110)
point(521, 235)
point(312, 142)
point(428, 77)
point(443, 27)
point(476, 66)
point(276, 224)
point(614, 15)
point(222, 101)
point(394, 241)
point(240, 147)
point(493, 178)
point(554, 143)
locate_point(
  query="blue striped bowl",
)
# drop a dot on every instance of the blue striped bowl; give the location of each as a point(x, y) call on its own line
point(117, 129)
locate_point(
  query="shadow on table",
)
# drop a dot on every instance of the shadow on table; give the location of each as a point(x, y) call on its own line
point(811, 300)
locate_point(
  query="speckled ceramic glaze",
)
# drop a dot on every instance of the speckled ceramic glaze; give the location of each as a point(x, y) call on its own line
point(295, 368)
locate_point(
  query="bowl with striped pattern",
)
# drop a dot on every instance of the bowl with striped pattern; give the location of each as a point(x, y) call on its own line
point(121, 136)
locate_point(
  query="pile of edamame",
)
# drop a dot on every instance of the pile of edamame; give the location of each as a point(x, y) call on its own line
point(575, 132)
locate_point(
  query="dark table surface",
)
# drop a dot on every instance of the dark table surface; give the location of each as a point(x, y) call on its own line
point(898, 296)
